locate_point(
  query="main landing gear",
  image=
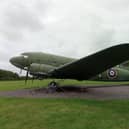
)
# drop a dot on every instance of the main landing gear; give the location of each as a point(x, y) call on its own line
point(52, 87)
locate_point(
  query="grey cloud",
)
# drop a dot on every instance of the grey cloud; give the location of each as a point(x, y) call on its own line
point(21, 18)
point(18, 18)
point(72, 28)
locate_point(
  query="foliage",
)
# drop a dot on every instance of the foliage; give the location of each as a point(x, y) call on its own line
point(8, 75)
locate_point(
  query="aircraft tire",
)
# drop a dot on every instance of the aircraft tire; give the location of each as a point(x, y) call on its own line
point(52, 87)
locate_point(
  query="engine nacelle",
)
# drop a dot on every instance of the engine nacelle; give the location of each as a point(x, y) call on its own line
point(40, 68)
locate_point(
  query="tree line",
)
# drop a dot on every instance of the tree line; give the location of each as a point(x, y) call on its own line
point(8, 75)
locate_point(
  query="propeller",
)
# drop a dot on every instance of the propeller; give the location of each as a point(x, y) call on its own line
point(27, 74)
point(33, 79)
point(20, 71)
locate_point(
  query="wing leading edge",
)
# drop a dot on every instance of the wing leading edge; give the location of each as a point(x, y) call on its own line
point(88, 67)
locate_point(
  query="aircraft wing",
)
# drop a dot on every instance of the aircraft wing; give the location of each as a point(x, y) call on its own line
point(90, 66)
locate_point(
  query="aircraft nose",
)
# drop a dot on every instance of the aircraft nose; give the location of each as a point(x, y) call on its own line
point(16, 61)
point(12, 60)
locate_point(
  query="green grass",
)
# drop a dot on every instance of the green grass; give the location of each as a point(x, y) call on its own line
point(63, 114)
point(27, 113)
point(15, 85)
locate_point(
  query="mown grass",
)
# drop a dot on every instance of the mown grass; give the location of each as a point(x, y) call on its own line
point(27, 113)
point(15, 85)
point(18, 113)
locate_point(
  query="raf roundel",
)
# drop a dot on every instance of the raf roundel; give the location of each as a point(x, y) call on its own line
point(112, 73)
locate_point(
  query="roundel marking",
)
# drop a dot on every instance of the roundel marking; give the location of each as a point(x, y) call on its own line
point(112, 73)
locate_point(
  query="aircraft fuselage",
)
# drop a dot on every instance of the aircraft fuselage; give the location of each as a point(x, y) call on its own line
point(41, 63)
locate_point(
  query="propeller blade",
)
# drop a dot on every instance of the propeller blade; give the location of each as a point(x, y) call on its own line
point(27, 75)
point(32, 79)
point(20, 71)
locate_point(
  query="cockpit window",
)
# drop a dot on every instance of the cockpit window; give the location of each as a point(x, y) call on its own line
point(25, 56)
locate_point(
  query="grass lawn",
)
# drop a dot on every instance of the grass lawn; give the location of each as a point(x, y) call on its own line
point(18, 113)
point(27, 113)
point(15, 85)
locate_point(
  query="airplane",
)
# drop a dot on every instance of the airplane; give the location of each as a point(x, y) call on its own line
point(102, 65)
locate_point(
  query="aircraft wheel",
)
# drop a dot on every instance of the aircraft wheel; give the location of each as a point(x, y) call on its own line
point(52, 87)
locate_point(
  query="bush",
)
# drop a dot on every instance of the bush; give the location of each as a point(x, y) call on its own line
point(8, 75)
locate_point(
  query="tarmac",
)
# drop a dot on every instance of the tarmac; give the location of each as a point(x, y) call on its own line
point(91, 92)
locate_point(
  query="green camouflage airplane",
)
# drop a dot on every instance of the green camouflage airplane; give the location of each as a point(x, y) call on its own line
point(103, 65)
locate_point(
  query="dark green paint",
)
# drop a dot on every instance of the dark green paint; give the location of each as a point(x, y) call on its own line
point(83, 69)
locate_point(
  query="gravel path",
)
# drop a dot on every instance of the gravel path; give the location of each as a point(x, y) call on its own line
point(101, 93)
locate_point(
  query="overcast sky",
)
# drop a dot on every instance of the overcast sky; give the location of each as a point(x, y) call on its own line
point(73, 28)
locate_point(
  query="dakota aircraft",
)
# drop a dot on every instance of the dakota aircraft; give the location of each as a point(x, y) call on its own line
point(103, 65)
